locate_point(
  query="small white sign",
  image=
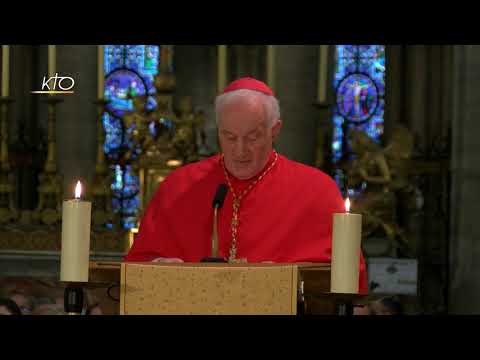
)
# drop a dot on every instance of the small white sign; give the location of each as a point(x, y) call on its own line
point(392, 276)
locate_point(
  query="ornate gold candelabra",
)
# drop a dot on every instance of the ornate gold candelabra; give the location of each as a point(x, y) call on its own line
point(8, 211)
point(48, 211)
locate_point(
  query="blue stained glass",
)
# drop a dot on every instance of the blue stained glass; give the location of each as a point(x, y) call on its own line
point(114, 57)
point(113, 135)
point(117, 185)
point(343, 68)
point(151, 59)
point(337, 138)
point(134, 57)
point(357, 97)
point(130, 206)
point(116, 205)
point(131, 183)
point(359, 83)
point(151, 103)
point(347, 51)
point(129, 222)
point(143, 59)
point(371, 51)
point(130, 71)
point(120, 86)
point(152, 129)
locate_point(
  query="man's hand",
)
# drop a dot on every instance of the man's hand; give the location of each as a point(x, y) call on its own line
point(168, 260)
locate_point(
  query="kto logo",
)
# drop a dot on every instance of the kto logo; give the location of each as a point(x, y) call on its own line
point(56, 85)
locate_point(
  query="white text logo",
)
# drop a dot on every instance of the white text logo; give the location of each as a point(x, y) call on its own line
point(56, 85)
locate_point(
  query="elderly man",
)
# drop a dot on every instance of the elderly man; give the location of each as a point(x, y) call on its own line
point(275, 210)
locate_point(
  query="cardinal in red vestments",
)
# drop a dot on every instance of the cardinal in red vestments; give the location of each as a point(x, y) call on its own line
point(275, 209)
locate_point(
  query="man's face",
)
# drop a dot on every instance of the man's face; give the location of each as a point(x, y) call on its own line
point(246, 138)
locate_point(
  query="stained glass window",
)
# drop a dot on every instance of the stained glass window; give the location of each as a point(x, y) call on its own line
point(129, 71)
point(359, 83)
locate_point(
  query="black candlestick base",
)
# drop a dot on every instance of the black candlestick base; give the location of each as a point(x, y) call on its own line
point(73, 299)
point(214, 260)
point(344, 309)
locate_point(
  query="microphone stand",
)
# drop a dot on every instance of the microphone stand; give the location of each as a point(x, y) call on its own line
point(214, 258)
point(217, 204)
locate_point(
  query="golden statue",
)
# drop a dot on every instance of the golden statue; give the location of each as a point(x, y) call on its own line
point(186, 126)
point(382, 175)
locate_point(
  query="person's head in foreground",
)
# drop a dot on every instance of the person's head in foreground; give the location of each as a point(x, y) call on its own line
point(385, 306)
point(9, 307)
point(23, 301)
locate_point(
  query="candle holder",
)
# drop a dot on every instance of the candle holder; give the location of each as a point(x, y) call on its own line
point(50, 183)
point(8, 211)
point(102, 213)
point(344, 303)
point(73, 298)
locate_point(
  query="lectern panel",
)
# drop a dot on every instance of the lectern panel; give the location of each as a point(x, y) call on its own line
point(207, 289)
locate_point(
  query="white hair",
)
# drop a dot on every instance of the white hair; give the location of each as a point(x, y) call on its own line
point(270, 103)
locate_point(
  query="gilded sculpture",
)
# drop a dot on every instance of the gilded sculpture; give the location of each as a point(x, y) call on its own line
point(381, 177)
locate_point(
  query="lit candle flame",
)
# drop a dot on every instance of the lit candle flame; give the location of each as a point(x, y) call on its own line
point(347, 205)
point(78, 190)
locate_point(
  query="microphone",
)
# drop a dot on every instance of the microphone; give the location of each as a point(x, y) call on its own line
point(220, 196)
point(217, 203)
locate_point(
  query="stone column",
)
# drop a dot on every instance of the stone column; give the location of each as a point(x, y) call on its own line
point(465, 226)
point(296, 89)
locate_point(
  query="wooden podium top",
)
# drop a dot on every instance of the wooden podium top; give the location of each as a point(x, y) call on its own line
point(112, 265)
point(109, 271)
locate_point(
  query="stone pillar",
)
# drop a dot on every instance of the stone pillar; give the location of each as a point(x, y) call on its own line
point(195, 70)
point(416, 91)
point(394, 88)
point(465, 168)
point(296, 89)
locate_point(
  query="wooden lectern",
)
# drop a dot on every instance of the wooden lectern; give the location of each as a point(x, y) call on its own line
point(208, 289)
point(219, 288)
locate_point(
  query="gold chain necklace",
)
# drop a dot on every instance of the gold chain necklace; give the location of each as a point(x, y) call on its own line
point(236, 205)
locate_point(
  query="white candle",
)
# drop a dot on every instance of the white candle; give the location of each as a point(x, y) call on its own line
point(222, 67)
point(75, 238)
point(52, 60)
point(346, 239)
point(5, 70)
point(100, 72)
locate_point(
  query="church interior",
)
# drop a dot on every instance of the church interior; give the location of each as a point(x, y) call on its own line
point(394, 125)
